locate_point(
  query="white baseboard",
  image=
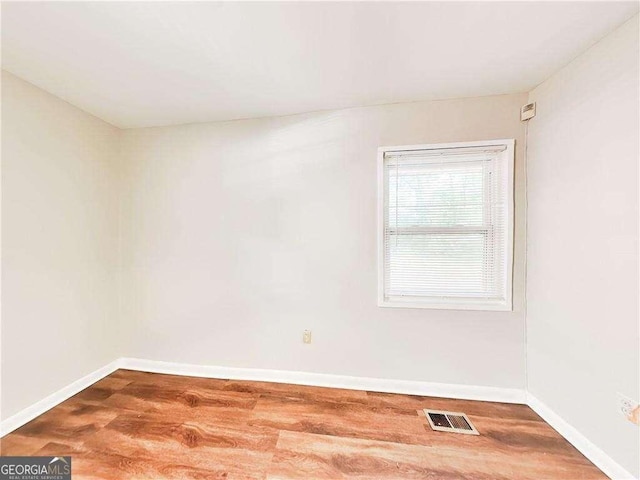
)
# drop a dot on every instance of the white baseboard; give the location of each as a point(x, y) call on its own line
point(600, 459)
point(38, 408)
point(463, 392)
point(447, 390)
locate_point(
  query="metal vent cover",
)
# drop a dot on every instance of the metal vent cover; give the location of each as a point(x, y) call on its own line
point(456, 422)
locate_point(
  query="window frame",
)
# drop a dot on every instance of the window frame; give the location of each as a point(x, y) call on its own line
point(451, 303)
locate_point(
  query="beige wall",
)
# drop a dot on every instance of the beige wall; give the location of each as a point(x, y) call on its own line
point(217, 244)
point(59, 244)
point(582, 319)
point(233, 238)
point(228, 239)
point(239, 235)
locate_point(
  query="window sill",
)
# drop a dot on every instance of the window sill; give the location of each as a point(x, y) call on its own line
point(503, 306)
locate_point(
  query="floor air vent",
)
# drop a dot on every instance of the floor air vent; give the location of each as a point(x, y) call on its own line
point(450, 422)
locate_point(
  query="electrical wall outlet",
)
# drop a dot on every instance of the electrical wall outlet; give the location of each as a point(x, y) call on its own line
point(306, 336)
point(626, 406)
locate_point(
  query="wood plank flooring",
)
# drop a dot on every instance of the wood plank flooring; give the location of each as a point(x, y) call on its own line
point(134, 426)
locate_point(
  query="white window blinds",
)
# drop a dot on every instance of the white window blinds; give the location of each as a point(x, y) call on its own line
point(447, 227)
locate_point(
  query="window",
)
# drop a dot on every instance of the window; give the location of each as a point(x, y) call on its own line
point(446, 225)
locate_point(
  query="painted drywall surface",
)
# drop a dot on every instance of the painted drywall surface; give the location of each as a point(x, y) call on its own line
point(59, 244)
point(204, 61)
point(240, 235)
point(582, 321)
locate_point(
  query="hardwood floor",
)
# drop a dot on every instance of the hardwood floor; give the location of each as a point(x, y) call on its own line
point(135, 425)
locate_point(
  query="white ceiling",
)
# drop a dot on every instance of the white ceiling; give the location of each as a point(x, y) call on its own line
point(145, 64)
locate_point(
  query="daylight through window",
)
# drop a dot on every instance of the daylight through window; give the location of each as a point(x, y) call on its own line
point(447, 226)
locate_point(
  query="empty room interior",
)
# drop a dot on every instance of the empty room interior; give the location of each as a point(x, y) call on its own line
point(320, 240)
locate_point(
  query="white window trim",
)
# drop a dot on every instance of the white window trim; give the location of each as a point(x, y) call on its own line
point(454, 304)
